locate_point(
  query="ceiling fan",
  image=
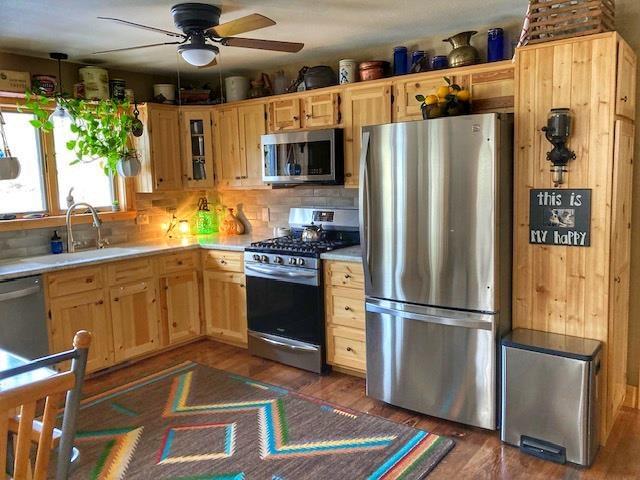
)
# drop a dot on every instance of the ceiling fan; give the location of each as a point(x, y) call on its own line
point(200, 23)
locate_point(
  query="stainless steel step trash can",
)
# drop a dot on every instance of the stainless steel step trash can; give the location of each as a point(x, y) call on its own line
point(550, 395)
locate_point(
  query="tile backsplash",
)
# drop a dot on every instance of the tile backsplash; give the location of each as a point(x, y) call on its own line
point(260, 210)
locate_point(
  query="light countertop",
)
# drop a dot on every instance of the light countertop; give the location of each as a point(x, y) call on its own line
point(349, 254)
point(23, 267)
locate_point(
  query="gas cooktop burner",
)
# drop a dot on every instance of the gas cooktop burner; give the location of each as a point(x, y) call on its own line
point(294, 244)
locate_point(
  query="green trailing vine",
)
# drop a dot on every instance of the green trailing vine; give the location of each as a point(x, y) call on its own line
point(101, 128)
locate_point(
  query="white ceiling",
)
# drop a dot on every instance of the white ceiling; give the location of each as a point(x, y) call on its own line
point(328, 28)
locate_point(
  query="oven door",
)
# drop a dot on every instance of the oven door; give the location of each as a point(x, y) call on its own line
point(286, 302)
point(302, 157)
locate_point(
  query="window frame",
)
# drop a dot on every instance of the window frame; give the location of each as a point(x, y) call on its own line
point(124, 187)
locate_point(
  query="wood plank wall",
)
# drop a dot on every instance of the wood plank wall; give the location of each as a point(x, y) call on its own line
point(566, 289)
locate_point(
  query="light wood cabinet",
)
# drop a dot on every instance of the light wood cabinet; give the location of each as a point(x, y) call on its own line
point(251, 127)
point(563, 289)
point(284, 114)
point(238, 151)
point(197, 147)
point(159, 149)
point(493, 90)
point(134, 316)
point(82, 311)
point(406, 107)
point(363, 105)
point(225, 306)
point(223, 260)
point(321, 110)
point(345, 315)
point(626, 81)
point(179, 306)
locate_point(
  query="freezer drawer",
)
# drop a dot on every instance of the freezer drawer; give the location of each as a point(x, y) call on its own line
point(434, 361)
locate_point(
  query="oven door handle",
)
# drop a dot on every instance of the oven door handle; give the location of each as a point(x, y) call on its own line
point(282, 344)
point(279, 272)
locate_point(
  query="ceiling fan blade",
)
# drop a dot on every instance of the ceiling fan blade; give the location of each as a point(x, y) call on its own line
point(290, 47)
point(211, 64)
point(136, 48)
point(144, 27)
point(249, 23)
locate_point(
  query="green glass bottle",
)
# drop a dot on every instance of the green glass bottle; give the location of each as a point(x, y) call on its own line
point(206, 221)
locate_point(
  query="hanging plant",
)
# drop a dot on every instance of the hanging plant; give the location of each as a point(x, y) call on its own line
point(101, 128)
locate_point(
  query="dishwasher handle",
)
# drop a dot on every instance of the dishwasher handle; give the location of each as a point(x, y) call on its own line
point(23, 292)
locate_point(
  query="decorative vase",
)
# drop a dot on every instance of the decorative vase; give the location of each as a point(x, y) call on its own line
point(231, 225)
point(463, 53)
point(129, 166)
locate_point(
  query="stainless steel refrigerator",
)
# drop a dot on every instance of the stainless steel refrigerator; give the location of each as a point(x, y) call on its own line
point(435, 207)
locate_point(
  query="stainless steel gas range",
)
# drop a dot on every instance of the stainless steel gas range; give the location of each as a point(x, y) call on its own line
point(285, 296)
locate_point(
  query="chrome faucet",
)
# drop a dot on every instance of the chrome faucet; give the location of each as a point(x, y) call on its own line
point(71, 243)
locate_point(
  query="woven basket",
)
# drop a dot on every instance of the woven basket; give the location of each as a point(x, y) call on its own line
point(557, 19)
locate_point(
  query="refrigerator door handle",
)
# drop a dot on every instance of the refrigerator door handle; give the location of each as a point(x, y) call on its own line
point(469, 320)
point(364, 204)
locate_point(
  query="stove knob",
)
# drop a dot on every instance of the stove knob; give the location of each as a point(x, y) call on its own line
point(292, 261)
point(300, 261)
point(278, 260)
point(264, 259)
point(256, 257)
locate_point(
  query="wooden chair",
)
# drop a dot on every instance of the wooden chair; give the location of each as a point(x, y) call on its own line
point(26, 429)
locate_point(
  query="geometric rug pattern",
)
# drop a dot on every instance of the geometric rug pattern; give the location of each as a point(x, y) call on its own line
point(192, 422)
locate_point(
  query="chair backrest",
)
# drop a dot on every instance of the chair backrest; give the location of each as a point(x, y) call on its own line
point(26, 429)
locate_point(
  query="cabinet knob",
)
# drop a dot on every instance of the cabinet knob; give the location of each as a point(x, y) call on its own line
point(116, 299)
point(223, 261)
point(348, 174)
point(347, 276)
point(295, 118)
point(160, 180)
point(179, 262)
point(308, 116)
point(349, 349)
point(174, 325)
point(347, 307)
point(89, 280)
point(625, 98)
point(99, 302)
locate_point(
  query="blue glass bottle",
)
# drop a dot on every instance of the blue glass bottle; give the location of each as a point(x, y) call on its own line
point(495, 45)
point(400, 61)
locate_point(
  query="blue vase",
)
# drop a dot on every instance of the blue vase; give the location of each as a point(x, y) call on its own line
point(495, 45)
point(400, 61)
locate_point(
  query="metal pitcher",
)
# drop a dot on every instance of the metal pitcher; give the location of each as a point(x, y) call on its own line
point(463, 53)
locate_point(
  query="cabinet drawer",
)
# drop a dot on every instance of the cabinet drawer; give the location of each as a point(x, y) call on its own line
point(129, 271)
point(176, 262)
point(223, 260)
point(347, 348)
point(346, 307)
point(346, 274)
point(75, 281)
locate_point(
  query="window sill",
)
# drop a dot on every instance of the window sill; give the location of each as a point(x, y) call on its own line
point(60, 220)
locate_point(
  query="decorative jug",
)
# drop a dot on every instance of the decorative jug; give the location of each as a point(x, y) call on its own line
point(463, 53)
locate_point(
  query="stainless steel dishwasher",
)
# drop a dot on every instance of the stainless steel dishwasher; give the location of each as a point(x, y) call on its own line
point(23, 321)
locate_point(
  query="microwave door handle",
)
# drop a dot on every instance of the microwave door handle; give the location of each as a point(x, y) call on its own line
point(364, 204)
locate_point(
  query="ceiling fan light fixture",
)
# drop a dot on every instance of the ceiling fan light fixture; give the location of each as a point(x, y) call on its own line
point(198, 55)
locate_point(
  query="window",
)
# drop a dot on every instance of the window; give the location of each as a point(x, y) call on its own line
point(88, 181)
point(25, 194)
point(46, 172)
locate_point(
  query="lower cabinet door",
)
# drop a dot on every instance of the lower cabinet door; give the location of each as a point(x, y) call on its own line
point(134, 314)
point(83, 311)
point(225, 306)
point(180, 319)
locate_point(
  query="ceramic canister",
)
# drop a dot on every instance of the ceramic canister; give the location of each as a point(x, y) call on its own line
point(96, 82)
point(348, 71)
point(237, 88)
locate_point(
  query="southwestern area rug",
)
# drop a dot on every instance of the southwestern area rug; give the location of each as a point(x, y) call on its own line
point(194, 422)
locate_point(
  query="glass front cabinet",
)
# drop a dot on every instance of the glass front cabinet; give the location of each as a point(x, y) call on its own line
point(197, 156)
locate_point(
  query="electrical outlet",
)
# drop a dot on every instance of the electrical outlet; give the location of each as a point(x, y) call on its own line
point(142, 219)
point(266, 215)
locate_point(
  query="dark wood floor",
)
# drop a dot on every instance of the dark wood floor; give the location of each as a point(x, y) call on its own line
point(478, 453)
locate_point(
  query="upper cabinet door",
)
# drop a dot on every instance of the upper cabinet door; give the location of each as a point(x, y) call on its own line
point(321, 110)
point(363, 105)
point(228, 166)
point(407, 108)
point(197, 148)
point(284, 114)
point(251, 126)
point(626, 90)
point(493, 90)
point(164, 137)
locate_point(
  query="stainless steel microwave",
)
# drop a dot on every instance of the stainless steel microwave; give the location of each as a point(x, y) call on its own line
point(314, 156)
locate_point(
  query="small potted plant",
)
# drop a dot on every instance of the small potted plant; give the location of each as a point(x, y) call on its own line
point(102, 131)
point(449, 100)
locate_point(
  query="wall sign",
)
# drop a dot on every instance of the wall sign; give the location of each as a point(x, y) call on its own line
point(560, 217)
